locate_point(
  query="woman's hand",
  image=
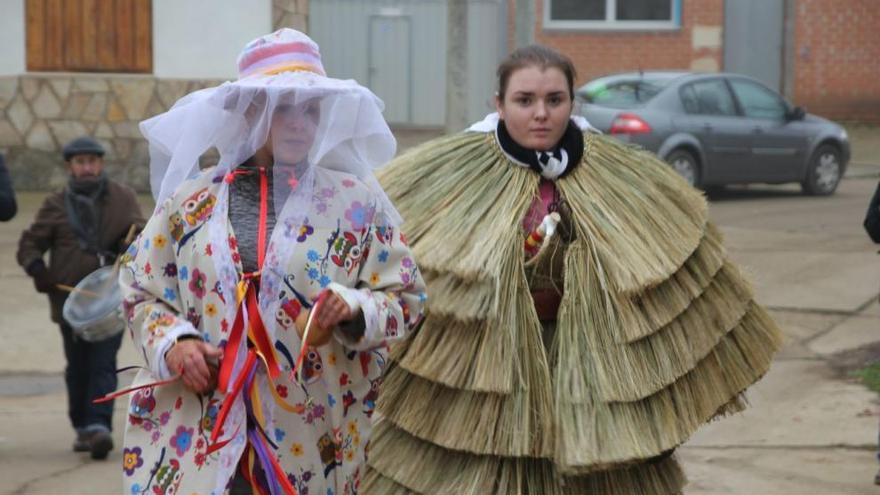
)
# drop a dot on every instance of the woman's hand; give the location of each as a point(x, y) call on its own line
point(331, 311)
point(196, 361)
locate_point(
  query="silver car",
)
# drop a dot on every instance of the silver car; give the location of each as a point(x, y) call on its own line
point(717, 129)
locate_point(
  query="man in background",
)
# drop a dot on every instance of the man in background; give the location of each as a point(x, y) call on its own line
point(82, 227)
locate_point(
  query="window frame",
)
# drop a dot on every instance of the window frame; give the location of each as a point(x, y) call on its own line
point(611, 23)
point(786, 107)
point(737, 109)
point(631, 82)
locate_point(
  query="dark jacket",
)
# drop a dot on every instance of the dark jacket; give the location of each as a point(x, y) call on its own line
point(68, 263)
point(872, 217)
point(8, 208)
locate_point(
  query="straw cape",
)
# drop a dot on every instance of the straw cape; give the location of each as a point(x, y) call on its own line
point(657, 331)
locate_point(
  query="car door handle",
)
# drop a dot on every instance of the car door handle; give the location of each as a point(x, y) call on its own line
point(758, 130)
point(707, 127)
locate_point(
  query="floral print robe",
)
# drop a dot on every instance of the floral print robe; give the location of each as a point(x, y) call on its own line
point(319, 423)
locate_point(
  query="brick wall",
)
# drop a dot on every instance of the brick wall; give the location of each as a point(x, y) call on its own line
point(696, 45)
point(837, 59)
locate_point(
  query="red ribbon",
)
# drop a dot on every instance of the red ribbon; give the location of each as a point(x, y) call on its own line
point(118, 393)
point(250, 361)
point(304, 347)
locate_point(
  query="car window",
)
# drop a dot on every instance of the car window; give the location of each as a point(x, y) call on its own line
point(707, 98)
point(689, 99)
point(757, 101)
point(623, 93)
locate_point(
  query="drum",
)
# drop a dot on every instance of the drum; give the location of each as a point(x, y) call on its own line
point(94, 307)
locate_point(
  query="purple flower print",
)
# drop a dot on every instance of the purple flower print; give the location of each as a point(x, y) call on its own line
point(358, 215)
point(181, 441)
point(170, 270)
point(304, 232)
point(131, 460)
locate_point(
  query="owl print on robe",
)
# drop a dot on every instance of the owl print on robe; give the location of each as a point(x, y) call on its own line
point(369, 400)
point(327, 449)
point(168, 478)
point(287, 313)
point(143, 403)
point(291, 306)
point(198, 207)
point(177, 226)
point(347, 252)
point(385, 234)
point(312, 367)
point(348, 400)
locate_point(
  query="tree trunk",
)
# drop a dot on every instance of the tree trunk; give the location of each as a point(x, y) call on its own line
point(456, 66)
point(524, 24)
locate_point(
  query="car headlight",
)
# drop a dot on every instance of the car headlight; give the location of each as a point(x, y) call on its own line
point(843, 135)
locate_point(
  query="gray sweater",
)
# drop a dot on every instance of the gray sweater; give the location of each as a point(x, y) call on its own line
point(244, 213)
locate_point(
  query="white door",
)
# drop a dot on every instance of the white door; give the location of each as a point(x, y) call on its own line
point(389, 75)
point(753, 40)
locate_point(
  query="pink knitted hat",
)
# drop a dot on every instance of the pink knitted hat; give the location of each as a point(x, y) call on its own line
point(285, 50)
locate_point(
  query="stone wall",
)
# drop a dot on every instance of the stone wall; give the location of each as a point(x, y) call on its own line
point(39, 113)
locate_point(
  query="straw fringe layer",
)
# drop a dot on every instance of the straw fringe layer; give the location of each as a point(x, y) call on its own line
point(449, 204)
point(594, 434)
point(629, 372)
point(451, 353)
point(519, 423)
point(625, 206)
point(646, 313)
point(375, 484)
point(444, 471)
point(457, 298)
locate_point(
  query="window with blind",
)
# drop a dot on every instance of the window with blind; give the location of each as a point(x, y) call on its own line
point(612, 14)
point(89, 35)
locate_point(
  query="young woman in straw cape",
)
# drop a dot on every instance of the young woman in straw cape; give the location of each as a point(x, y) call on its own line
point(584, 318)
point(263, 291)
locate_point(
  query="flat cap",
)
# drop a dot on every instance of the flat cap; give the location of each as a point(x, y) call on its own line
point(82, 146)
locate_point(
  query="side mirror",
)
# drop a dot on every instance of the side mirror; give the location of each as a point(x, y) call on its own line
point(796, 113)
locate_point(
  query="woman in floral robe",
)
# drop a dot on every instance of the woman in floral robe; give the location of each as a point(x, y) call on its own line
point(187, 283)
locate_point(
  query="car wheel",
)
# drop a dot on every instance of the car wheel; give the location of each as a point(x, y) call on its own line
point(824, 171)
point(685, 164)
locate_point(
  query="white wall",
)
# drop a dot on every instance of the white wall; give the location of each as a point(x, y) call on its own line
point(12, 41)
point(202, 38)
